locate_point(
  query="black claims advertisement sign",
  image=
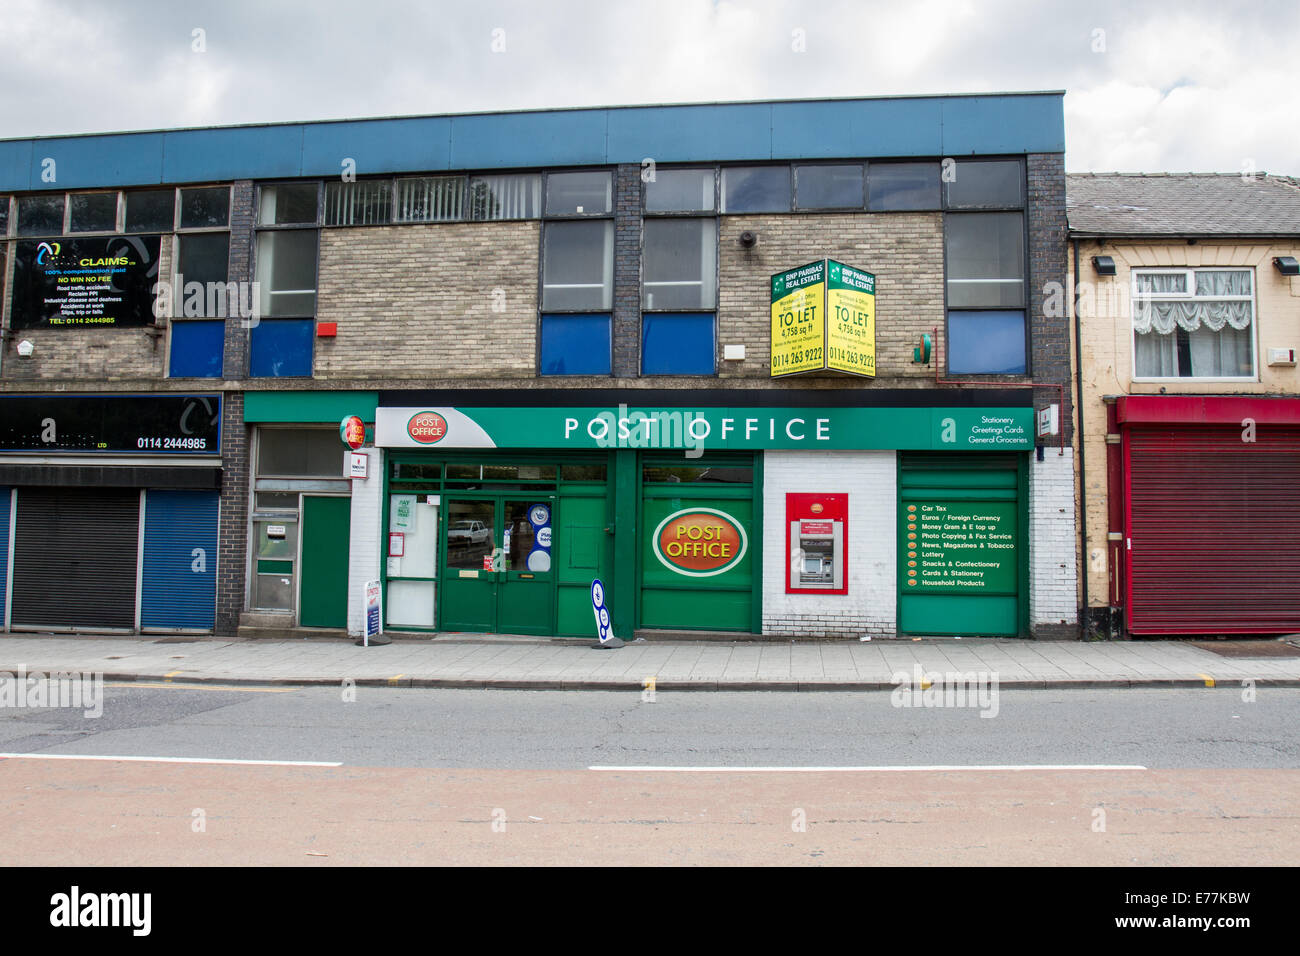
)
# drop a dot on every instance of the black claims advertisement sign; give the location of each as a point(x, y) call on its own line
point(93, 282)
point(174, 424)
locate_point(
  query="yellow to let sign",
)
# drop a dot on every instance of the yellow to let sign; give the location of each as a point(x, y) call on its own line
point(799, 319)
point(823, 317)
point(850, 320)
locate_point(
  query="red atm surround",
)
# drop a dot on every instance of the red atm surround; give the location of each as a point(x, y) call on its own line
point(823, 520)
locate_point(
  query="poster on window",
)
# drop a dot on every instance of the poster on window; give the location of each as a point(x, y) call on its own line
point(93, 282)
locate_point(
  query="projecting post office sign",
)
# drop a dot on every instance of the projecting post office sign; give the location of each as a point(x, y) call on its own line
point(700, 542)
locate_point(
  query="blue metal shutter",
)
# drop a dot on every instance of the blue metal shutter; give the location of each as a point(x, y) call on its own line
point(179, 588)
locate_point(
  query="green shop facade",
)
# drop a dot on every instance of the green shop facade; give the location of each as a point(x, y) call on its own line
point(816, 517)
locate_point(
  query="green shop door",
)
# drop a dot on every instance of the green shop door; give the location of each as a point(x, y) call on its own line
point(323, 594)
point(962, 559)
point(497, 565)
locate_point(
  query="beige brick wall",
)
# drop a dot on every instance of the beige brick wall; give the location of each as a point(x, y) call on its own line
point(414, 302)
point(903, 250)
point(88, 356)
point(1107, 352)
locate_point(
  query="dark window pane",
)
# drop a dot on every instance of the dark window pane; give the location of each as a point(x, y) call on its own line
point(897, 186)
point(196, 349)
point(151, 211)
point(299, 453)
point(283, 347)
point(828, 187)
point(985, 183)
point(93, 212)
point(40, 215)
point(679, 265)
point(584, 193)
point(431, 199)
point(575, 345)
point(730, 474)
point(286, 271)
point(986, 343)
point(582, 472)
point(204, 208)
point(204, 257)
point(986, 260)
point(680, 190)
point(358, 204)
point(578, 265)
point(288, 204)
point(4, 215)
point(677, 344)
point(756, 189)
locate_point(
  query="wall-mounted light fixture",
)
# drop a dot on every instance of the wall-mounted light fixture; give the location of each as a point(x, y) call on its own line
point(1104, 265)
point(749, 239)
point(1287, 265)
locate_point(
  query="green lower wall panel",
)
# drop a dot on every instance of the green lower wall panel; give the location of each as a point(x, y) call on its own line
point(944, 614)
point(696, 611)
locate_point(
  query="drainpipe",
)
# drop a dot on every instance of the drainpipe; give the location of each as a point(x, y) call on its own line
point(1078, 432)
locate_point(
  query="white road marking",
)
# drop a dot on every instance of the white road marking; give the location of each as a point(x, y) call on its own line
point(218, 760)
point(931, 769)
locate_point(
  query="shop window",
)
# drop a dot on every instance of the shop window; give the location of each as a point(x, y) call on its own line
point(756, 189)
point(299, 453)
point(196, 349)
point(206, 208)
point(828, 187)
point(577, 266)
point(431, 199)
point(365, 203)
point(895, 187)
point(678, 343)
point(288, 204)
point(672, 474)
point(92, 212)
point(286, 272)
point(40, 215)
point(976, 183)
point(575, 344)
point(579, 194)
point(152, 210)
point(584, 473)
point(1193, 323)
point(505, 197)
point(680, 190)
point(986, 342)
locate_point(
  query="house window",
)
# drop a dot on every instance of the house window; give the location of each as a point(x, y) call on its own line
point(680, 190)
point(679, 282)
point(281, 341)
point(202, 295)
point(92, 212)
point(575, 334)
point(207, 208)
point(505, 197)
point(895, 187)
point(756, 189)
point(41, 215)
point(1193, 323)
point(365, 203)
point(431, 199)
point(152, 210)
point(828, 187)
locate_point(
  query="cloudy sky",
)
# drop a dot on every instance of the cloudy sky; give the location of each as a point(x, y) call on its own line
point(1203, 85)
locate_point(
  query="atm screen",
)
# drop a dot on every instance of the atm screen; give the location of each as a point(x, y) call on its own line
point(812, 565)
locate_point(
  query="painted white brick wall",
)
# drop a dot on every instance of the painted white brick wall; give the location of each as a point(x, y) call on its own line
point(1053, 570)
point(363, 554)
point(869, 478)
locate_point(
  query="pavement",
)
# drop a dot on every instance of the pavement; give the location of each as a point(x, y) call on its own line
point(505, 662)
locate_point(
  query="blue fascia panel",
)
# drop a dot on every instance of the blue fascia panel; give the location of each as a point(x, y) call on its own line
point(82, 162)
point(506, 140)
point(243, 152)
point(377, 146)
point(16, 164)
point(865, 128)
point(691, 134)
point(983, 125)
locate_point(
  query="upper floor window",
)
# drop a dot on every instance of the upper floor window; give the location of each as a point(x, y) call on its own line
point(577, 272)
point(1193, 323)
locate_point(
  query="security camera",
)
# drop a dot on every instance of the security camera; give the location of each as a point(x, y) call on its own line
point(748, 239)
point(25, 348)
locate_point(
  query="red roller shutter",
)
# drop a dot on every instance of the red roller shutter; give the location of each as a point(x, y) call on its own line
point(1213, 524)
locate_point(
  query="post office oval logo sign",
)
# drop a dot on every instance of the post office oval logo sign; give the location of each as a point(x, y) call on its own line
point(700, 542)
point(428, 428)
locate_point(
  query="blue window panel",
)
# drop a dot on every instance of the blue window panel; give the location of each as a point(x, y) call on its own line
point(989, 343)
point(179, 584)
point(282, 347)
point(575, 344)
point(678, 343)
point(197, 349)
